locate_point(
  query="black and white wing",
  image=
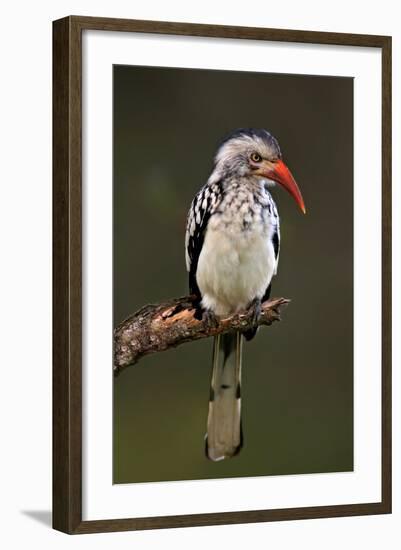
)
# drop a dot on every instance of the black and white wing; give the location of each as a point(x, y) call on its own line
point(276, 235)
point(249, 334)
point(203, 206)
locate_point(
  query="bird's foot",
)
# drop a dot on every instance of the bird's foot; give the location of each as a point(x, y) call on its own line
point(255, 309)
point(210, 319)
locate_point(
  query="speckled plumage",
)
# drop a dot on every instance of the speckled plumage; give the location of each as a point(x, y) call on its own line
point(237, 259)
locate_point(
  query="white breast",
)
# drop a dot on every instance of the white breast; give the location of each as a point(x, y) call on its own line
point(235, 266)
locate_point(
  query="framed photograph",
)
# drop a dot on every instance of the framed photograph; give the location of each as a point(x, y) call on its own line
point(210, 181)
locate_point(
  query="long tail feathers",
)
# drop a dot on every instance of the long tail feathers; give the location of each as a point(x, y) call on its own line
point(224, 433)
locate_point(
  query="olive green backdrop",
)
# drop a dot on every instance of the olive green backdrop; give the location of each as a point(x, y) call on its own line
point(298, 374)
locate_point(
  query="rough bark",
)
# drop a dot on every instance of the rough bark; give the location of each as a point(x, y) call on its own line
point(158, 327)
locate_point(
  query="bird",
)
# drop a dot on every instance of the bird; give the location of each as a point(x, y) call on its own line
point(232, 246)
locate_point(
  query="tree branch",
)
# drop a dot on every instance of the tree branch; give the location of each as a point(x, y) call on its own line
point(158, 327)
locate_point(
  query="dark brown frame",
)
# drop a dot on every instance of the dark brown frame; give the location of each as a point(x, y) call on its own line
point(67, 292)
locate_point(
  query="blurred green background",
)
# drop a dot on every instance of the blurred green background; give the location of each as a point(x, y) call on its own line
point(298, 374)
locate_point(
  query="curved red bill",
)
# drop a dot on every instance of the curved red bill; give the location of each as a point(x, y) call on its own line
point(281, 174)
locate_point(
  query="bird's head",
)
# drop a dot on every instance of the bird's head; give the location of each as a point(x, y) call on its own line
point(253, 152)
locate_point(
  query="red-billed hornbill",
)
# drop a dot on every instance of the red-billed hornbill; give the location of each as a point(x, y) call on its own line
point(232, 248)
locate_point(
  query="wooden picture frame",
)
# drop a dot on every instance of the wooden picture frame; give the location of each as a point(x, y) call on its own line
point(67, 274)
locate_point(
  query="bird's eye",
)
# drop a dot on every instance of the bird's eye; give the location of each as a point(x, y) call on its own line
point(255, 157)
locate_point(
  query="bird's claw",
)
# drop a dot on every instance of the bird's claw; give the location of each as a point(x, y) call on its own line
point(210, 319)
point(255, 309)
